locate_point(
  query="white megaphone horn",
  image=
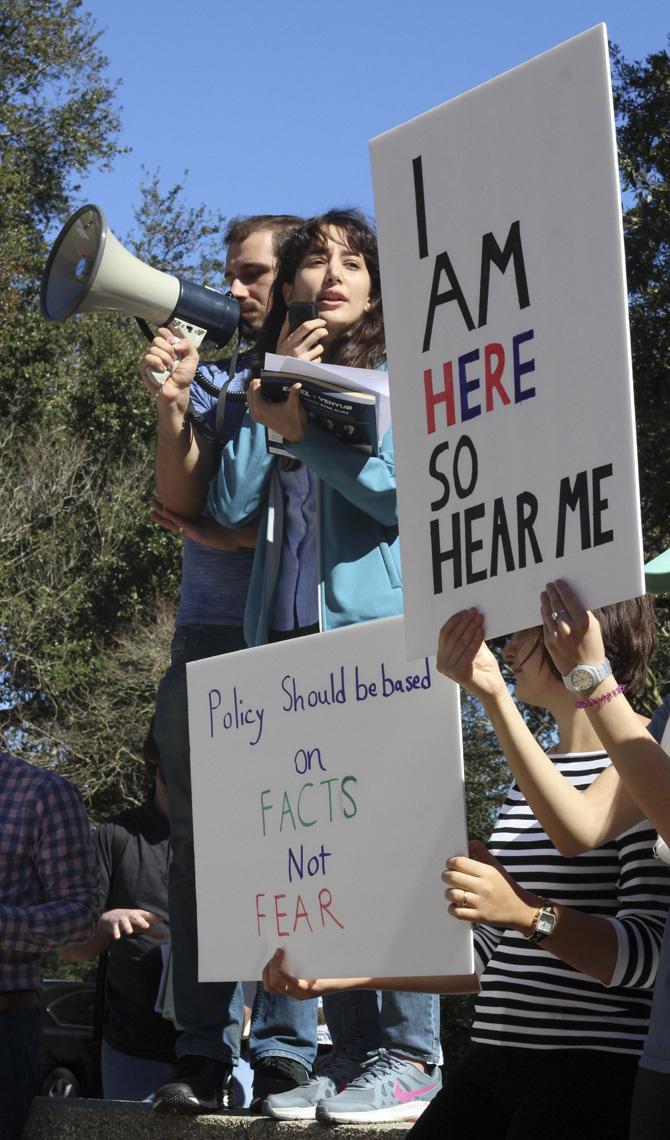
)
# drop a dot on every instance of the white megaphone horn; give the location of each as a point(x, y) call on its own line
point(88, 270)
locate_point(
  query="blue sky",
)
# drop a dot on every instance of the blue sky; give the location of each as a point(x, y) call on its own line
point(270, 106)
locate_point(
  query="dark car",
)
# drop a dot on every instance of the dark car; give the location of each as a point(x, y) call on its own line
point(71, 1052)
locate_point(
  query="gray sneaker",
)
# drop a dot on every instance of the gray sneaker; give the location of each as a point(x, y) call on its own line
point(332, 1074)
point(387, 1089)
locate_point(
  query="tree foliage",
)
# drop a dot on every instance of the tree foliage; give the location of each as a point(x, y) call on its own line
point(642, 105)
point(58, 114)
point(87, 583)
point(57, 119)
point(642, 101)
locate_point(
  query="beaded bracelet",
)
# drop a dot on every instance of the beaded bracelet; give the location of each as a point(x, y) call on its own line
point(601, 700)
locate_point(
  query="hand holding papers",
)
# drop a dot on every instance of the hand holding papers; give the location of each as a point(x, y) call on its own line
point(350, 403)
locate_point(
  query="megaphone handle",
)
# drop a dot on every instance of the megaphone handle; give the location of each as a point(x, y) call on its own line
point(179, 328)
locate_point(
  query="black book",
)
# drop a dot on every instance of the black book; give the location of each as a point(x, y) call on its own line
point(349, 415)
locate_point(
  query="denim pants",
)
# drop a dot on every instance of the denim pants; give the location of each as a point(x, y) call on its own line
point(125, 1077)
point(211, 1013)
point(136, 1078)
point(20, 1068)
point(362, 1021)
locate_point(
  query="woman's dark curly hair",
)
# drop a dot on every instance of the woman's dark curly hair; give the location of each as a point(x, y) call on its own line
point(362, 344)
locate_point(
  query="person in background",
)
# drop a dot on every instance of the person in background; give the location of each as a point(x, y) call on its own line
point(138, 1044)
point(327, 555)
point(197, 416)
point(48, 895)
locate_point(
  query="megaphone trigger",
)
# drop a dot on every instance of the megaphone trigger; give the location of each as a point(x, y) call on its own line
point(181, 329)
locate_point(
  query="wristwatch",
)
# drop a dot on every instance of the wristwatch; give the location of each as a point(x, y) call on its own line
point(585, 677)
point(544, 922)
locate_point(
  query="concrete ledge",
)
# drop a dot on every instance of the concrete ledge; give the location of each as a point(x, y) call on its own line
point(56, 1119)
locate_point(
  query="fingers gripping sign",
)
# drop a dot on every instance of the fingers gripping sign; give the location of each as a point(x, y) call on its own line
point(464, 656)
point(571, 633)
point(480, 890)
point(278, 981)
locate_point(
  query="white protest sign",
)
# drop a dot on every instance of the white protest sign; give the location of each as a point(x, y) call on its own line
point(505, 308)
point(327, 793)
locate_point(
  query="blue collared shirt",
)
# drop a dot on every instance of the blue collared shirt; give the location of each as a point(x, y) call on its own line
point(214, 583)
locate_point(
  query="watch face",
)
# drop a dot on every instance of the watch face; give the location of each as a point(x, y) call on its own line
point(545, 923)
point(581, 678)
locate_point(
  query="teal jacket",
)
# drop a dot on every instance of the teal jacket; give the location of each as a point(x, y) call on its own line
point(359, 550)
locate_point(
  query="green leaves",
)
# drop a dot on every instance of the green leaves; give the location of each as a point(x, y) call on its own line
point(642, 104)
point(87, 583)
point(58, 112)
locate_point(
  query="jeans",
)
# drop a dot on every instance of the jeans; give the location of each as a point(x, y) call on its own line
point(130, 1078)
point(211, 1013)
point(20, 1068)
point(362, 1021)
point(136, 1078)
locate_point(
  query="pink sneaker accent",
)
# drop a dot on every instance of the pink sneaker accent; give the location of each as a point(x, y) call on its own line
point(403, 1096)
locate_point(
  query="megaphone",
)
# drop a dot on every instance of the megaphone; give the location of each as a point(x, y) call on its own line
point(88, 270)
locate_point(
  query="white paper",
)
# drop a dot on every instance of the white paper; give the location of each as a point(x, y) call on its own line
point(324, 827)
point(532, 149)
point(358, 379)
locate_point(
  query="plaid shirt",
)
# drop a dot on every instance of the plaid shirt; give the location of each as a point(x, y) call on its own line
point(48, 874)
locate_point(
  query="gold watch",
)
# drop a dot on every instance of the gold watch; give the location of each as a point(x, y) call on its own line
point(544, 922)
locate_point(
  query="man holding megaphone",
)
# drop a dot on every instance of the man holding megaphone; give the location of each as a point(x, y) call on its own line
point(194, 422)
point(88, 270)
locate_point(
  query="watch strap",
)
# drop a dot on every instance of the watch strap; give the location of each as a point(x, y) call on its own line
point(597, 672)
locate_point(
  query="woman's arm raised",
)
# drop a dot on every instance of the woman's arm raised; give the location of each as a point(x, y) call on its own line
point(574, 638)
point(575, 821)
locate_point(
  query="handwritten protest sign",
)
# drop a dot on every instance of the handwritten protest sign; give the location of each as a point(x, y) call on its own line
point(327, 793)
point(506, 319)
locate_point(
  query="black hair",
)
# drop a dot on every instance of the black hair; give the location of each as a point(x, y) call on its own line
point(362, 344)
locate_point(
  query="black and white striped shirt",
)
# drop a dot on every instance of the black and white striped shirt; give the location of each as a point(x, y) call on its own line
point(531, 999)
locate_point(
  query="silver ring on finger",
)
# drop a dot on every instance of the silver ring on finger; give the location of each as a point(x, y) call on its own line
point(464, 898)
point(555, 614)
